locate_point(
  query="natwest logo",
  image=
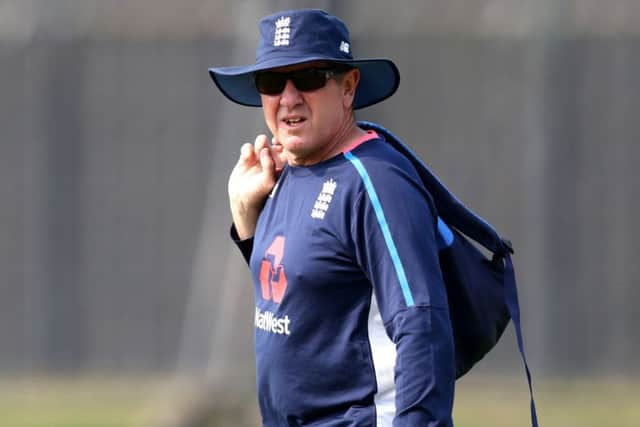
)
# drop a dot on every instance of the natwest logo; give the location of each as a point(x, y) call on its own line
point(267, 321)
point(273, 281)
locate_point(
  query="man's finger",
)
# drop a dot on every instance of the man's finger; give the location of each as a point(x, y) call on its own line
point(260, 143)
point(246, 150)
point(268, 166)
point(277, 153)
point(246, 153)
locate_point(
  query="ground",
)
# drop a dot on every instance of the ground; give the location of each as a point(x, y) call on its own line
point(143, 402)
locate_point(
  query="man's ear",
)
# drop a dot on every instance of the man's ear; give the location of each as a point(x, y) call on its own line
point(349, 84)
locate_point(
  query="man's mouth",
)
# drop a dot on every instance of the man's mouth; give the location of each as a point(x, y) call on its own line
point(293, 121)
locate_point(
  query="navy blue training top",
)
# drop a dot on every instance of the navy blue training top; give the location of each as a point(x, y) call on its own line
point(351, 318)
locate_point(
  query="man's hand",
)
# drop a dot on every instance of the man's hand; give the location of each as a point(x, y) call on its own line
point(251, 181)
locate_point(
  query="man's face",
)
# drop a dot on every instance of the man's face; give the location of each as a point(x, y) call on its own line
point(310, 125)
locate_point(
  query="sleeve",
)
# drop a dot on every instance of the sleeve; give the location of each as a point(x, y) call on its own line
point(245, 246)
point(394, 230)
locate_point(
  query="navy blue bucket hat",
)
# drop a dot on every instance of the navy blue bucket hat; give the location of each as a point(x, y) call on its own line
point(299, 36)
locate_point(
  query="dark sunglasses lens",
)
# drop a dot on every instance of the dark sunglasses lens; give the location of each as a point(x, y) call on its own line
point(270, 83)
point(308, 80)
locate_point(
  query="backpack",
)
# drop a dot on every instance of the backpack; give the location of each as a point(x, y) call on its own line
point(481, 292)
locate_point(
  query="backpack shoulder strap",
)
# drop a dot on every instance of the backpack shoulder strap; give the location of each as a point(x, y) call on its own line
point(454, 213)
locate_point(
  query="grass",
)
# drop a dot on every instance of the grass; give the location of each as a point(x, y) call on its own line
point(63, 402)
point(500, 402)
point(480, 402)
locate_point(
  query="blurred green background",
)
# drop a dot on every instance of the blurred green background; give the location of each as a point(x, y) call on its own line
point(122, 300)
point(481, 401)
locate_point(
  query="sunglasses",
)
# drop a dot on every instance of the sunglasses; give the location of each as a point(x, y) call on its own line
point(305, 80)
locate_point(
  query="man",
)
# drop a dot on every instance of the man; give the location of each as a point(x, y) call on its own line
point(351, 319)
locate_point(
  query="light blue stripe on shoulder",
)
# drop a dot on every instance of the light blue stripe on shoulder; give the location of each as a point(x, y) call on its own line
point(445, 233)
point(382, 221)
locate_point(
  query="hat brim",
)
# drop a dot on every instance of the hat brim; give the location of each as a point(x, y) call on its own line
point(379, 79)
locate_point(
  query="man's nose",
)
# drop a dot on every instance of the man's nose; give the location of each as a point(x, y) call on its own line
point(290, 95)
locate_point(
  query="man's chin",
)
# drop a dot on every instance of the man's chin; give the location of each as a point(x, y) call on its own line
point(296, 157)
point(293, 143)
